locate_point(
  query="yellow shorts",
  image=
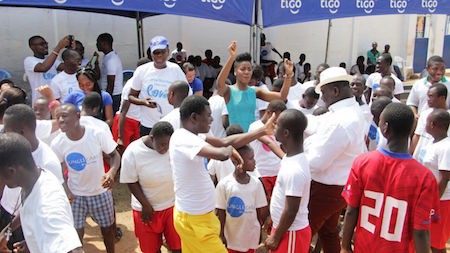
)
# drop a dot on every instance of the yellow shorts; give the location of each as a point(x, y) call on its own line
point(198, 233)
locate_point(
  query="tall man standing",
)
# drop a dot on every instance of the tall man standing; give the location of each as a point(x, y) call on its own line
point(330, 152)
point(41, 67)
point(111, 78)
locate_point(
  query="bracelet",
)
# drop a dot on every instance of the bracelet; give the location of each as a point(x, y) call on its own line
point(55, 53)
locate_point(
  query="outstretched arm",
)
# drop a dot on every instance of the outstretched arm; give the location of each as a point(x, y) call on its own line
point(282, 95)
point(222, 87)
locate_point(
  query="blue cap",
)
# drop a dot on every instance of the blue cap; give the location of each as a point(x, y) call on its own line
point(158, 42)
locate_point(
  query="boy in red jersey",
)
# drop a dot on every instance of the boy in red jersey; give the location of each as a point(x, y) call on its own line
point(391, 197)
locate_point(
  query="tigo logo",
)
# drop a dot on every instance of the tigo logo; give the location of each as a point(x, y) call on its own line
point(367, 5)
point(170, 3)
point(216, 4)
point(431, 5)
point(117, 3)
point(400, 5)
point(331, 5)
point(293, 5)
point(59, 1)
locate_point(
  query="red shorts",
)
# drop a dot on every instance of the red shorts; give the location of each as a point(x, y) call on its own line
point(130, 131)
point(294, 241)
point(234, 251)
point(150, 234)
point(269, 184)
point(440, 232)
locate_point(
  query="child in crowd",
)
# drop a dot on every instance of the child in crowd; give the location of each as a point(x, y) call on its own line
point(147, 172)
point(220, 169)
point(289, 203)
point(177, 92)
point(241, 206)
point(308, 104)
point(437, 159)
point(374, 137)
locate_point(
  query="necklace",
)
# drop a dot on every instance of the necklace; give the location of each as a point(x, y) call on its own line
point(9, 230)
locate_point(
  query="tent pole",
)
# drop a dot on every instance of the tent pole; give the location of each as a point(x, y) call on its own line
point(328, 40)
point(140, 35)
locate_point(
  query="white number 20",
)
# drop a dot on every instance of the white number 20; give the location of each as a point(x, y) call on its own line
point(389, 204)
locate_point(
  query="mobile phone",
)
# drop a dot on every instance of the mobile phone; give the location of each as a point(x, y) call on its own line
point(70, 41)
point(93, 60)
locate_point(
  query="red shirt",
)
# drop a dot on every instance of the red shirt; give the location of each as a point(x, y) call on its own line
point(395, 195)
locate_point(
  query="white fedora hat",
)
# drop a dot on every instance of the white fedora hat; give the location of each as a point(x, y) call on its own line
point(331, 75)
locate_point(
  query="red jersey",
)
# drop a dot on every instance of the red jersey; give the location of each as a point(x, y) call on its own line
point(395, 194)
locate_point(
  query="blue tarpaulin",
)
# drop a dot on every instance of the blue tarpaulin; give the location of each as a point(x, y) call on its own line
point(233, 11)
point(281, 12)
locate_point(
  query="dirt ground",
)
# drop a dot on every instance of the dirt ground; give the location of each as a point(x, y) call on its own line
point(93, 242)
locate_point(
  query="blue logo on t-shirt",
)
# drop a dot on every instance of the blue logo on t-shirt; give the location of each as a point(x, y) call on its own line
point(375, 86)
point(236, 207)
point(76, 161)
point(372, 132)
point(48, 76)
point(156, 93)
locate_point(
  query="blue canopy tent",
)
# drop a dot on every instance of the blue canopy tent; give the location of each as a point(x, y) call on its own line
point(233, 11)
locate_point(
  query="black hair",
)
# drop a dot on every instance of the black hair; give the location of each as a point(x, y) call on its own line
point(434, 59)
point(294, 121)
point(11, 96)
point(311, 92)
point(8, 81)
point(180, 88)
point(258, 73)
point(162, 128)
point(187, 66)
point(278, 83)
point(378, 105)
point(243, 57)
point(400, 119)
point(386, 58)
point(92, 100)
point(192, 104)
point(441, 118)
point(276, 106)
point(90, 74)
point(33, 38)
point(208, 52)
point(106, 37)
point(244, 149)
point(15, 150)
point(343, 65)
point(234, 129)
point(68, 53)
point(440, 89)
point(20, 114)
point(281, 67)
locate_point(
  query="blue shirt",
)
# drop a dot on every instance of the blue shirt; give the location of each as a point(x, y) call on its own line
point(241, 107)
point(77, 97)
point(196, 85)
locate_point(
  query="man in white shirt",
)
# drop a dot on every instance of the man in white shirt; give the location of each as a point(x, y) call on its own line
point(330, 152)
point(383, 68)
point(81, 149)
point(66, 81)
point(417, 98)
point(179, 54)
point(45, 210)
point(178, 91)
point(194, 189)
point(219, 113)
point(20, 119)
point(151, 83)
point(111, 78)
point(41, 67)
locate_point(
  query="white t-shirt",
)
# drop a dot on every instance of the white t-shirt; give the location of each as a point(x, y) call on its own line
point(112, 66)
point(418, 95)
point(173, 118)
point(134, 112)
point(436, 158)
point(154, 83)
point(267, 163)
point(194, 189)
point(84, 159)
point(179, 56)
point(43, 129)
point(266, 52)
point(218, 109)
point(37, 79)
point(261, 105)
point(46, 218)
point(95, 123)
point(220, 169)
point(373, 82)
point(294, 180)
point(153, 173)
point(63, 84)
point(44, 158)
point(295, 104)
point(240, 201)
point(296, 92)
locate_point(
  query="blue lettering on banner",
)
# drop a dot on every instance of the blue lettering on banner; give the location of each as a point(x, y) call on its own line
point(236, 207)
point(216, 4)
point(431, 5)
point(367, 5)
point(76, 161)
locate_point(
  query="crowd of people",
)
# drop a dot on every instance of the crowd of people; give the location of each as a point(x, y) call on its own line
point(218, 161)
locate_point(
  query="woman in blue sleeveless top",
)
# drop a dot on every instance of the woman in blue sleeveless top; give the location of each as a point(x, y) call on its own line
point(240, 97)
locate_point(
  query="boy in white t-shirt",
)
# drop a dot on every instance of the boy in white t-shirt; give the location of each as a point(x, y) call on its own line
point(147, 172)
point(81, 149)
point(289, 203)
point(437, 159)
point(268, 153)
point(241, 206)
point(194, 219)
point(65, 82)
point(307, 104)
point(45, 214)
point(178, 91)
